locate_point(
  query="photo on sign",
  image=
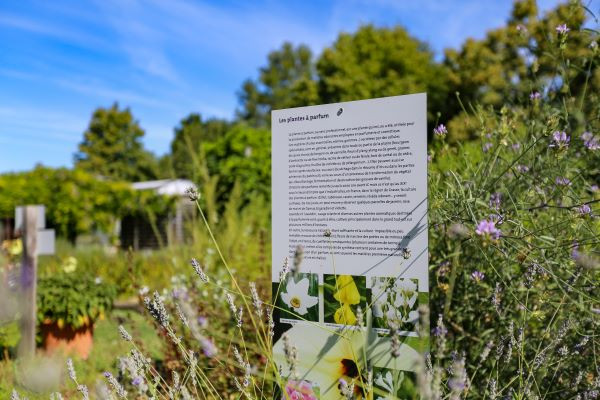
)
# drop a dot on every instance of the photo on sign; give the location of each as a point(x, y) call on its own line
point(342, 296)
point(326, 357)
point(299, 297)
point(298, 389)
point(394, 303)
point(394, 384)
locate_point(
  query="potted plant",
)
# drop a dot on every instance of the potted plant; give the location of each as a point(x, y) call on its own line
point(68, 306)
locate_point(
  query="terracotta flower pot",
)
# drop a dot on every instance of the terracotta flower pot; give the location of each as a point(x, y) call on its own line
point(68, 339)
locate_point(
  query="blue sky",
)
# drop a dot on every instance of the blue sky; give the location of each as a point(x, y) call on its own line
point(59, 60)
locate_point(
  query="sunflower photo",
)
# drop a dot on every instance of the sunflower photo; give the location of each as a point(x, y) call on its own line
point(394, 301)
point(299, 297)
point(342, 296)
point(394, 384)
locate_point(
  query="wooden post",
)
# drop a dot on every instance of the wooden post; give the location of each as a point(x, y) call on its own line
point(28, 282)
point(179, 223)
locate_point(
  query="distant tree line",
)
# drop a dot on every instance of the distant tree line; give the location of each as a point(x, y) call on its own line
point(371, 62)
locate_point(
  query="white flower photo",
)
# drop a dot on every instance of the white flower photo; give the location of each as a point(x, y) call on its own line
point(299, 295)
point(394, 301)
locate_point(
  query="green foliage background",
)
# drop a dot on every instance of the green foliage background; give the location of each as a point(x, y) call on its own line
point(76, 201)
point(73, 299)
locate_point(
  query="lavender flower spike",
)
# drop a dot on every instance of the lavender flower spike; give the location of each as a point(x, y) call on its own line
point(495, 200)
point(535, 96)
point(196, 265)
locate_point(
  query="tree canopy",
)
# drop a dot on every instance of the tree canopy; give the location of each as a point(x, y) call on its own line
point(372, 62)
point(112, 147)
point(512, 62)
point(191, 132)
point(288, 80)
point(242, 155)
point(379, 62)
point(76, 201)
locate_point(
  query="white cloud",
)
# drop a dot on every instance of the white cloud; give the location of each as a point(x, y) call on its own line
point(46, 28)
point(42, 122)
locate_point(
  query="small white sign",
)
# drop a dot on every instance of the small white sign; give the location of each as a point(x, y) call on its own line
point(45, 237)
point(46, 242)
point(19, 217)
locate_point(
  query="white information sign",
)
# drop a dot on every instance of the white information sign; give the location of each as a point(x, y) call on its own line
point(349, 198)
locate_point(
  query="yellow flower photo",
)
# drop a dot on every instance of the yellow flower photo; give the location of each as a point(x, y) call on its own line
point(343, 296)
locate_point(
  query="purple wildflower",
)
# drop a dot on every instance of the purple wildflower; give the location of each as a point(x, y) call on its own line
point(495, 200)
point(202, 321)
point(590, 141)
point(107, 374)
point(497, 218)
point(487, 146)
point(440, 329)
point(585, 210)
point(516, 146)
point(488, 229)
point(458, 382)
point(562, 181)
point(575, 250)
point(594, 188)
point(477, 276)
point(208, 348)
point(522, 168)
point(136, 381)
point(178, 293)
point(585, 136)
point(440, 130)
point(562, 29)
point(560, 139)
point(521, 28)
point(535, 96)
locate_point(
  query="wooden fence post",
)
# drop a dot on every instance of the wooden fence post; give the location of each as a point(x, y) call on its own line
point(28, 281)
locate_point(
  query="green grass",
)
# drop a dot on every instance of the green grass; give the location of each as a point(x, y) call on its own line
point(108, 345)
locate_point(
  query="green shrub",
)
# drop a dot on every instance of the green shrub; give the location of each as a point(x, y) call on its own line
point(73, 299)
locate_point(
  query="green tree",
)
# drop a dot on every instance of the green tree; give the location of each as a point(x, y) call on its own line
point(189, 136)
point(77, 202)
point(288, 80)
point(373, 62)
point(523, 57)
point(242, 155)
point(378, 62)
point(112, 147)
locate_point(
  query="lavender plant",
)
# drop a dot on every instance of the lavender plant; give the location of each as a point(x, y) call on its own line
point(514, 246)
